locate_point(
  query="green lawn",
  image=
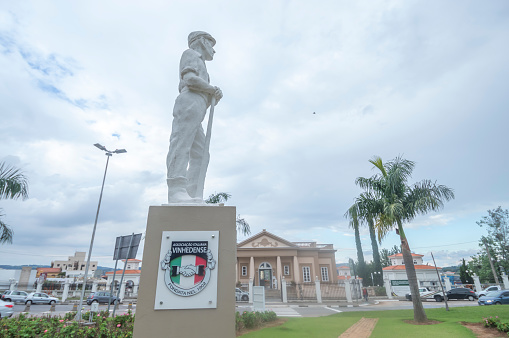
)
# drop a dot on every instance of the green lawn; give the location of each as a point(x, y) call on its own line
point(390, 323)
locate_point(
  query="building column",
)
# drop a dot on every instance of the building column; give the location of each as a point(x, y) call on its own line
point(251, 269)
point(279, 271)
point(94, 286)
point(283, 290)
point(448, 285)
point(505, 279)
point(318, 290)
point(477, 282)
point(122, 290)
point(388, 290)
point(237, 279)
point(348, 292)
point(12, 284)
point(39, 286)
point(65, 294)
point(135, 287)
point(296, 270)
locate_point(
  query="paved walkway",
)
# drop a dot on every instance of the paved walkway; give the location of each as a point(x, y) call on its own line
point(361, 329)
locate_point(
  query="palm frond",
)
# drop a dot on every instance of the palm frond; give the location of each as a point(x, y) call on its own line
point(5, 233)
point(220, 197)
point(13, 184)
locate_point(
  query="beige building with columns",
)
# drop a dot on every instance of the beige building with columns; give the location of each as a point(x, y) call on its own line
point(266, 258)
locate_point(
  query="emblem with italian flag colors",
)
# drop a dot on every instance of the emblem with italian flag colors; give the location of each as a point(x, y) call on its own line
point(188, 266)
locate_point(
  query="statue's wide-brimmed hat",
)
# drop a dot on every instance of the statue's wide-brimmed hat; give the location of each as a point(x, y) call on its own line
point(193, 36)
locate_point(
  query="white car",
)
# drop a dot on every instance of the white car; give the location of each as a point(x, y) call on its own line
point(241, 295)
point(40, 298)
point(6, 309)
point(488, 289)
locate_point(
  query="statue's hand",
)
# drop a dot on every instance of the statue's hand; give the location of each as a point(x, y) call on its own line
point(218, 94)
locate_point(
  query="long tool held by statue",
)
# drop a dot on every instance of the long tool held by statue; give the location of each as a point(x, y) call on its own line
point(206, 155)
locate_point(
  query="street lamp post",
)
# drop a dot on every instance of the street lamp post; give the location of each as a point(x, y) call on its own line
point(109, 153)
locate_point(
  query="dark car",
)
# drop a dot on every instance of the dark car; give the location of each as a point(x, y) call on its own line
point(101, 297)
point(495, 298)
point(461, 293)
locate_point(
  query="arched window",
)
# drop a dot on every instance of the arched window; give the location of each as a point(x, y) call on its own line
point(265, 265)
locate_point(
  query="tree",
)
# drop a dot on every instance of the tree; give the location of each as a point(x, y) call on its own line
point(396, 203)
point(384, 255)
point(362, 212)
point(464, 275)
point(497, 239)
point(13, 185)
point(242, 224)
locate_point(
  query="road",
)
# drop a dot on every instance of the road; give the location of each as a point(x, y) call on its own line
point(282, 310)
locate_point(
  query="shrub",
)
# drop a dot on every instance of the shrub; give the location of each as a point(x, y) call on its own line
point(380, 291)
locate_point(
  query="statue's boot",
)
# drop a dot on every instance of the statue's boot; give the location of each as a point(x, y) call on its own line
point(177, 192)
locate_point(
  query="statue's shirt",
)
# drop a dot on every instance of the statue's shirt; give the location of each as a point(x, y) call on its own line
point(191, 61)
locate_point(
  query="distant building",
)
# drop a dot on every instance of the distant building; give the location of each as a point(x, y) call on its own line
point(48, 272)
point(131, 277)
point(396, 273)
point(267, 258)
point(343, 271)
point(75, 265)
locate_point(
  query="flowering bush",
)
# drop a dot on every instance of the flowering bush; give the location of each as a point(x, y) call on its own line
point(249, 320)
point(102, 326)
point(496, 323)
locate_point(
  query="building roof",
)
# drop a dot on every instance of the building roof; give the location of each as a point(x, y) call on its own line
point(132, 260)
point(287, 244)
point(48, 270)
point(343, 267)
point(128, 272)
point(401, 255)
point(417, 267)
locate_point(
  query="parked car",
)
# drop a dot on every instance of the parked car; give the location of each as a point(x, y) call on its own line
point(241, 295)
point(488, 289)
point(6, 309)
point(101, 297)
point(461, 293)
point(14, 296)
point(495, 298)
point(426, 294)
point(40, 298)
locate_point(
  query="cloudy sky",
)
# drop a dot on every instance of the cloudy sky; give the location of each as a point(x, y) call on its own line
point(424, 79)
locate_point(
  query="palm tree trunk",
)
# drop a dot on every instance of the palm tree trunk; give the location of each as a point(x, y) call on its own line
point(361, 271)
point(419, 314)
point(376, 255)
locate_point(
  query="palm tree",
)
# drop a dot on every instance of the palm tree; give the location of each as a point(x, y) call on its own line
point(361, 265)
point(363, 212)
point(394, 203)
point(221, 197)
point(13, 185)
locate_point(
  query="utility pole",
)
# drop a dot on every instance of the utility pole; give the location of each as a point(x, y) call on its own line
point(491, 262)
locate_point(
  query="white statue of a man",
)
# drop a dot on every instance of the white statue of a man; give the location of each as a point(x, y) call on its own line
point(186, 156)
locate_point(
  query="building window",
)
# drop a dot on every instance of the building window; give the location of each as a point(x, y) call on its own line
point(306, 274)
point(325, 273)
point(58, 264)
point(286, 270)
point(415, 261)
point(244, 270)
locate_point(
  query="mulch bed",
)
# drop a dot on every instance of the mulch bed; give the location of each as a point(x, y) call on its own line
point(277, 322)
point(484, 332)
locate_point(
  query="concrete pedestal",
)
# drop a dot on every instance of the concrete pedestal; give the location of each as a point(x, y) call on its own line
point(212, 322)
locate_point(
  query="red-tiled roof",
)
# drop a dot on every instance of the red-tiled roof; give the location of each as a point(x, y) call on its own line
point(131, 260)
point(48, 270)
point(417, 267)
point(401, 255)
point(131, 272)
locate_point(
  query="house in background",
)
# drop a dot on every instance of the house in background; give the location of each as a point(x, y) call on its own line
point(343, 271)
point(131, 280)
point(48, 272)
point(396, 273)
point(75, 265)
point(266, 258)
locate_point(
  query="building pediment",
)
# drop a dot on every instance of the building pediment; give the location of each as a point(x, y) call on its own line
point(265, 240)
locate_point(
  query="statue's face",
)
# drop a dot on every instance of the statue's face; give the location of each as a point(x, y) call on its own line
point(208, 51)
